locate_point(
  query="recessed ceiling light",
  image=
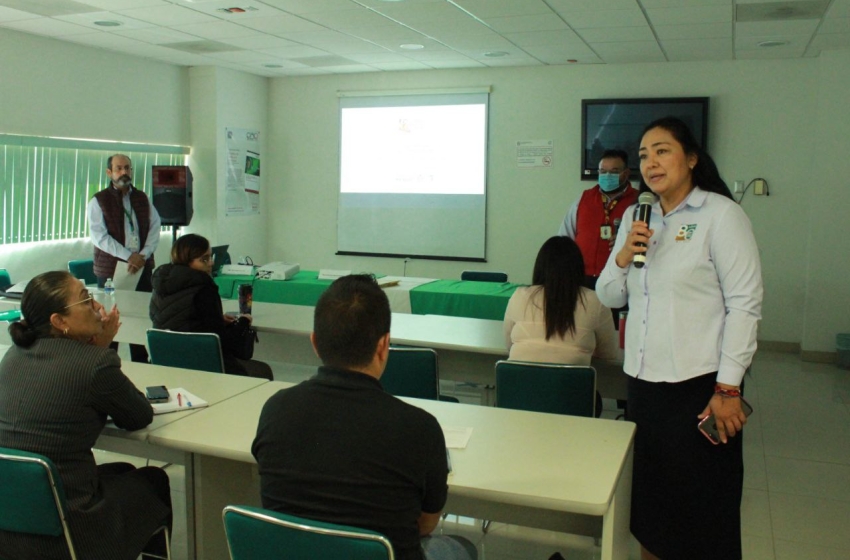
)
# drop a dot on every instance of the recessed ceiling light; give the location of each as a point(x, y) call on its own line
point(495, 54)
point(108, 23)
point(769, 44)
point(412, 47)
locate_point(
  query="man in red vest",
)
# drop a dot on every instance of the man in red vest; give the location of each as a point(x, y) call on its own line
point(593, 220)
point(124, 228)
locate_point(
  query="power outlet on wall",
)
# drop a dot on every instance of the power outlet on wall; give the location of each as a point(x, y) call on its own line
point(758, 187)
point(739, 187)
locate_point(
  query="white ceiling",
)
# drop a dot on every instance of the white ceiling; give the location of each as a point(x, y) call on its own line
point(300, 37)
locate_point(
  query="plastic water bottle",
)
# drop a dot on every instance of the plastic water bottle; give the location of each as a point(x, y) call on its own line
point(109, 287)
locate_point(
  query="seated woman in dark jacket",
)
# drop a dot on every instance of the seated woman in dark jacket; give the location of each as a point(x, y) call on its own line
point(58, 383)
point(185, 298)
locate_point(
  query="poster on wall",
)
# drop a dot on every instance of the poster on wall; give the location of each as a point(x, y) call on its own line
point(242, 196)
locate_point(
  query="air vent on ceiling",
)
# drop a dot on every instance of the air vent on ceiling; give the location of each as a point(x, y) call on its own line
point(201, 47)
point(781, 11)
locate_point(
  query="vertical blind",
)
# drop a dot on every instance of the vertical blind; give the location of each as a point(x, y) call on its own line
point(44, 190)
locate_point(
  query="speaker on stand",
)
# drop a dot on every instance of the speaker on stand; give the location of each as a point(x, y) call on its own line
point(172, 195)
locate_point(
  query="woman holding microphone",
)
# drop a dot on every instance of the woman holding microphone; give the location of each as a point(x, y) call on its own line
point(690, 337)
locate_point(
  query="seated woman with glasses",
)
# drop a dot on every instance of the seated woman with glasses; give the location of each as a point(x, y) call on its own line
point(557, 320)
point(58, 384)
point(185, 298)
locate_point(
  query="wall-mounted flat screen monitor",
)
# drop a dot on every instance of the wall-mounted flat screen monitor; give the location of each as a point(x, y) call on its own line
point(618, 123)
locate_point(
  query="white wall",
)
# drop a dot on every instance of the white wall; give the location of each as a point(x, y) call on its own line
point(53, 88)
point(764, 123)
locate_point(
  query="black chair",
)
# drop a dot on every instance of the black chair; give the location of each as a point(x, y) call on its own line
point(483, 276)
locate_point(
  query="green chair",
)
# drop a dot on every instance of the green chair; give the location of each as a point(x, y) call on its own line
point(259, 534)
point(32, 499)
point(185, 350)
point(5, 280)
point(412, 372)
point(483, 276)
point(554, 388)
point(84, 270)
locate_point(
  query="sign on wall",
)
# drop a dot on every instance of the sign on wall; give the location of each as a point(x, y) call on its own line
point(242, 196)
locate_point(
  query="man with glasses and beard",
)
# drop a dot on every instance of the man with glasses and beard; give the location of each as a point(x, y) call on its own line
point(124, 231)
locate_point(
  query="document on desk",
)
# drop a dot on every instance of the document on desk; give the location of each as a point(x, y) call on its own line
point(179, 399)
point(456, 438)
point(123, 280)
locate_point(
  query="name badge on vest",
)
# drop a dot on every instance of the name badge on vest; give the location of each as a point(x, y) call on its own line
point(133, 243)
point(605, 232)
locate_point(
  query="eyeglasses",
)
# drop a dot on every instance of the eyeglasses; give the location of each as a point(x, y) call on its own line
point(89, 300)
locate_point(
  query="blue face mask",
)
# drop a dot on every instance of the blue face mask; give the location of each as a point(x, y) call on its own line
point(609, 182)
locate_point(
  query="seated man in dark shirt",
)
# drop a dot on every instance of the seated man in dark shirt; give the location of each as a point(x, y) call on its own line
point(337, 448)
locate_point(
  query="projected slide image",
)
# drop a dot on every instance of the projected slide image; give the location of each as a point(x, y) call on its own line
point(414, 150)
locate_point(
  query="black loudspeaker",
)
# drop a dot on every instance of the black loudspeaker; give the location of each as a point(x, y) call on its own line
point(172, 194)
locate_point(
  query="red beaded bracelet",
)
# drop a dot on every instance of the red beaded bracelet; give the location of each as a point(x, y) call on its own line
point(718, 390)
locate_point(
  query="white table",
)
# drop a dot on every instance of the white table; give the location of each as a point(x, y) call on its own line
point(556, 472)
point(213, 388)
point(467, 348)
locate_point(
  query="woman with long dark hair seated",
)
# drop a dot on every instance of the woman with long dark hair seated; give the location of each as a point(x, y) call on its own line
point(58, 384)
point(557, 320)
point(185, 298)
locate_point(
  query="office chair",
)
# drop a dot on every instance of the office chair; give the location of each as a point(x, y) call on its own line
point(84, 270)
point(554, 388)
point(258, 534)
point(484, 276)
point(32, 499)
point(185, 350)
point(5, 280)
point(413, 372)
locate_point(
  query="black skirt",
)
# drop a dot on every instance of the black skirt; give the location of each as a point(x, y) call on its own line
point(686, 492)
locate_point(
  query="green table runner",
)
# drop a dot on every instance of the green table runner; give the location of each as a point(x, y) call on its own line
point(303, 289)
point(462, 298)
point(228, 284)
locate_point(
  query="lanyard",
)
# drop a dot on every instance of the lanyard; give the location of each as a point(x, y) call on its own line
point(130, 218)
point(607, 207)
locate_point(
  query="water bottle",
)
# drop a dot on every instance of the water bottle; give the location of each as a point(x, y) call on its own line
point(109, 287)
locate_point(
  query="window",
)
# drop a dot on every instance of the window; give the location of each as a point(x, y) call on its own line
point(44, 189)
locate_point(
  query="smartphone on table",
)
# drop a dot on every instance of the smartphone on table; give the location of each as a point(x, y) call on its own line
point(708, 426)
point(157, 393)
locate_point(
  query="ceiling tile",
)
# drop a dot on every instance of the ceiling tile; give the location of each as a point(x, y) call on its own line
point(617, 34)
point(348, 19)
point(511, 61)
point(411, 13)
point(457, 26)
point(455, 63)
point(372, 58)
point(688, 15)
point(49, 8)
point(216, 30)
point(519, 24)
point(796, 44)
point(215, 9)
point(831, 41)
point(10, 14)
point(282, 24)
point(88, 19)
point(549, 53)
point(156, 35)
point(167, 15)
point(103, 40)
point(780, 11)
point(113, 5)
point(589, 5)
point(485, 9)
point(761, 28)
point(641, 48)
point(405, 65)
point(350, 69)
point(839, 8)
point(46, 26)
point(604, 18)
point(694, 31)
point(486, 42)
point(835, 25)
point(299, 51)
point(308, 6)
point(243, 56)
point(543, 38)
point(681, 50)
point(650, 4)
point(259, 41)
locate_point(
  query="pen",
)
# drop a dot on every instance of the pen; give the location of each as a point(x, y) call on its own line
point(179, 399)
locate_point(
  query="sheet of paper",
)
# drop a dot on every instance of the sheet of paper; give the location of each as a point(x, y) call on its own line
point(456, 438)
point(187, 401)
point(123, 280)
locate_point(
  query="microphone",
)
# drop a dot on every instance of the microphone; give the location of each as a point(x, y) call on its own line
point(644, 212)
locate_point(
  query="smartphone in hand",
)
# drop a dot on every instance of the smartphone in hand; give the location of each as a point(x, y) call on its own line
point(157, 394)
point(708, 426)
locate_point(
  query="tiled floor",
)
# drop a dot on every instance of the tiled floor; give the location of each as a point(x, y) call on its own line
point(796, 503)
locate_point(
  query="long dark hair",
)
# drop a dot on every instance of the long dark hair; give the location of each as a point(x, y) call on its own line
point(559, 272)
point(188, 248)
point(705, 174)
point(44, 295)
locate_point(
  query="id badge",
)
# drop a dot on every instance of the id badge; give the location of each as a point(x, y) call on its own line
point(133, 244)
point(605, 232)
